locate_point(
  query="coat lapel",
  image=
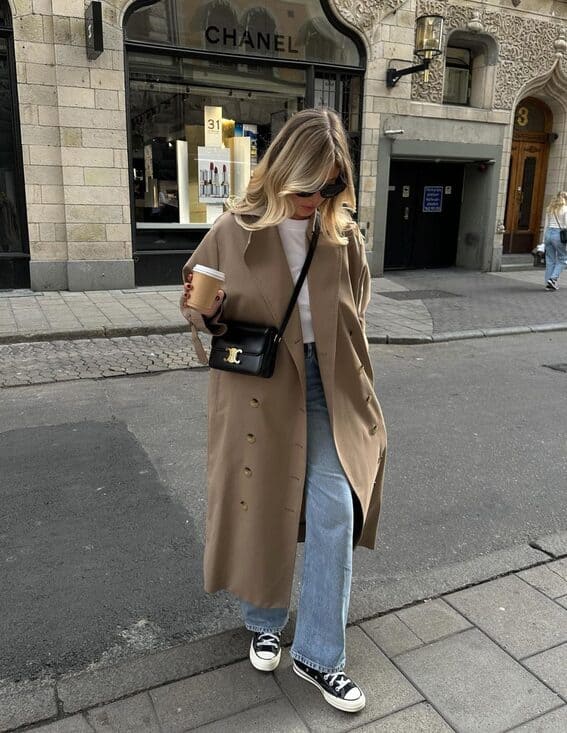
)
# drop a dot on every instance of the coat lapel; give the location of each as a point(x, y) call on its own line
point(265, 258)
point(324, 279)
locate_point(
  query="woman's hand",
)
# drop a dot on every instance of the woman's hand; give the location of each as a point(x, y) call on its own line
point(187, 287)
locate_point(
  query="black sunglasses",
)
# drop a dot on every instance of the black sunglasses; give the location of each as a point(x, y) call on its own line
point(329, 190)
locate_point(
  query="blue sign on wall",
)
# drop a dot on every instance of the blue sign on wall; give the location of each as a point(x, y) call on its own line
point(433, 199)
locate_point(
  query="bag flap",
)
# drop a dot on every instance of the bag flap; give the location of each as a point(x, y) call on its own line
point(253, 340)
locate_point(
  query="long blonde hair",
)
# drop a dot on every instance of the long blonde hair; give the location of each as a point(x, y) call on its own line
point(299, 158)
point(557, 202)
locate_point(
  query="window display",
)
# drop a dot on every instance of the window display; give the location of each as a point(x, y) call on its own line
point(197, 134)
point(210, 83)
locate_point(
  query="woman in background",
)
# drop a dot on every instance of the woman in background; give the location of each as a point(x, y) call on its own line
point(555, 250)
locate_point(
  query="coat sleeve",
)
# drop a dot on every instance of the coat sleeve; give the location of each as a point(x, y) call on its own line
point(360, 274)
point(207, 253)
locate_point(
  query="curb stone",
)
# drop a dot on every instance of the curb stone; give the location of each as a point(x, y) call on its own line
point(37, 701)
point(550, 327)
point(131, 331)
point(554, 544)
point(24, 703)
point(458, 335)
point(89, 333)
point(506, 331)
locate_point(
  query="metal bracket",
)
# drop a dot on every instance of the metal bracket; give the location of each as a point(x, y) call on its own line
point(394, 75)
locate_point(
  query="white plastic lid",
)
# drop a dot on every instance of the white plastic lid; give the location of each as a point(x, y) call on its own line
point(204, 270)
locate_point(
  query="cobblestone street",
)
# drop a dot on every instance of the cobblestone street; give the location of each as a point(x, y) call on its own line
point(42, 362)
point(405, 308)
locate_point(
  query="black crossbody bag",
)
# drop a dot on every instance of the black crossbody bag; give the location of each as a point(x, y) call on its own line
point(562, 232)
point(246, 348)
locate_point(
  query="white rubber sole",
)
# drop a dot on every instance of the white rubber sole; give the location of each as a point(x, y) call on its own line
point(264, 665)
point(347, 706)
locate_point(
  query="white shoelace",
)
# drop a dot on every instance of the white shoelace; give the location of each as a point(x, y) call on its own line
point(267, 639)
point(338, 680)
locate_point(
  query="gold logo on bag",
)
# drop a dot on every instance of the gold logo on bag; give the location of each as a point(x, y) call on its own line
point(232, 353)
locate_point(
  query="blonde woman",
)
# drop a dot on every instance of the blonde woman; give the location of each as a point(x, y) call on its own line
point(299, 455)
point(555, 249)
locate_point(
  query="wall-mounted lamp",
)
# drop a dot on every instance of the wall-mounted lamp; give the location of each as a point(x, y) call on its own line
point(428, 39)
point(94, 40)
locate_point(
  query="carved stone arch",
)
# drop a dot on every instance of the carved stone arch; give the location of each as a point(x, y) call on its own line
point(551, 88)
point(481, 43)
point(362, 17)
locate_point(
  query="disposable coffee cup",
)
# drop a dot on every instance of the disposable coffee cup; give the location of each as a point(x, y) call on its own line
point(206, 282)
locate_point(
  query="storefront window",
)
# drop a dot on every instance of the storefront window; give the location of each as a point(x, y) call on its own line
point(288, 30)
point(210, 84)
point(198, 131)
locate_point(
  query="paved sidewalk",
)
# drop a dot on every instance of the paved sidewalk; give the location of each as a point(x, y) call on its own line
point(406, 307)
point(487, 658)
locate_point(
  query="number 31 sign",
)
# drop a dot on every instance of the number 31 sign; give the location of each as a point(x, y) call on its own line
point(213, 127)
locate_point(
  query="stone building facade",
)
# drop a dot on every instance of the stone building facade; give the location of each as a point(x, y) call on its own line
point(75, 130)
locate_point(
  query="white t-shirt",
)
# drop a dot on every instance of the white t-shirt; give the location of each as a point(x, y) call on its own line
point(293, 235)
point(551, 221)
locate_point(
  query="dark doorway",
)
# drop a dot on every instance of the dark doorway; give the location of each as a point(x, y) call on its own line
point(14, 257)
point(424, 206)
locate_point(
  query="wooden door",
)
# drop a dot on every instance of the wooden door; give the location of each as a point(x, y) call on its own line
point(528, 171)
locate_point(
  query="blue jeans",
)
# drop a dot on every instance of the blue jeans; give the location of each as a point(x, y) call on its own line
point(555, 254)
point(322, 610)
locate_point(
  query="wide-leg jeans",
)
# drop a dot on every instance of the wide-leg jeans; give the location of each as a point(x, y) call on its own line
point(322, 610)
point(555, 254)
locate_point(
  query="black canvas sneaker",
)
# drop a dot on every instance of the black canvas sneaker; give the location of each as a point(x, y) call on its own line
point(337, 689)
point(265, 651)
point(552, 284)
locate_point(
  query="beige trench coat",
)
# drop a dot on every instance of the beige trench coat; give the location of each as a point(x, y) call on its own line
point(257, 427)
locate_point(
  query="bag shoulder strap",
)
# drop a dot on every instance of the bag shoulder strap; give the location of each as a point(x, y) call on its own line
point(302, 276)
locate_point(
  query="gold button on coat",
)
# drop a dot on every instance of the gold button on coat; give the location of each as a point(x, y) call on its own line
point(244, 506)
point(254, 402)
point(251, 438)
point(247, 471)
point(373, 429)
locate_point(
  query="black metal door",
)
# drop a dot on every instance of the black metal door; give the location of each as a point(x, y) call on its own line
point(424, 205)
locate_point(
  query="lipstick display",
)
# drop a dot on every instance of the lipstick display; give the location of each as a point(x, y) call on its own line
point(214, 174)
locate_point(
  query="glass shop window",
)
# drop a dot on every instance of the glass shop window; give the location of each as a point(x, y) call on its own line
point(198, 129)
